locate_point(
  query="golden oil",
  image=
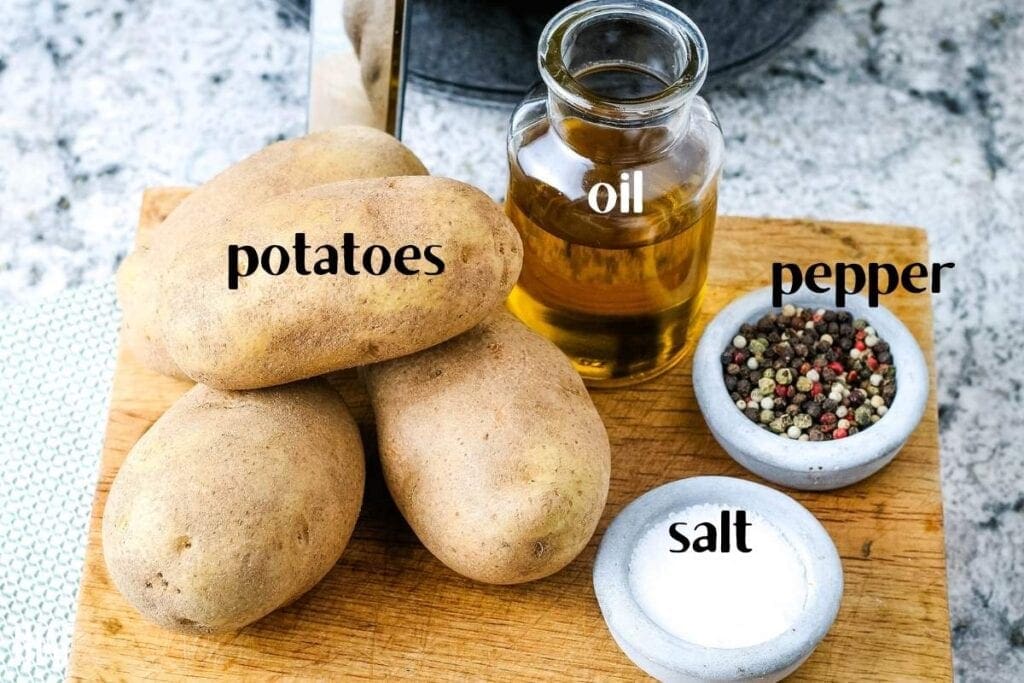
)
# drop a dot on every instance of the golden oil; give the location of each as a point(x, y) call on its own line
point(616, 293)
point(613, 185)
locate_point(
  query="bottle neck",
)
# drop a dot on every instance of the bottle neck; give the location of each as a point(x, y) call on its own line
point(607, 139)
point(621, 75)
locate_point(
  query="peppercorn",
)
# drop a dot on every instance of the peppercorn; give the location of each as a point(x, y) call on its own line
point(863, 416)
point(824, 369)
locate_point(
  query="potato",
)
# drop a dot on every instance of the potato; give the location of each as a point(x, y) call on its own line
point(370, 25)
point(280, 328)
point(337, 95)
point(338, 154)
point(493, 451)
point(233, 504)
point(140, 331)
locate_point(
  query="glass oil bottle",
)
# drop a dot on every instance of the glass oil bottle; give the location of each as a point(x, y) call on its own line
point(613, 184)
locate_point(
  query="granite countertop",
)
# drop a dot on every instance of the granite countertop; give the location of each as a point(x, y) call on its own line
point(908, 112)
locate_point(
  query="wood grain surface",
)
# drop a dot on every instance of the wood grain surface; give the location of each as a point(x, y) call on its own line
point(390, 610)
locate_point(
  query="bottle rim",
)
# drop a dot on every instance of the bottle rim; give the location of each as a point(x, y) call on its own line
point(571, 20)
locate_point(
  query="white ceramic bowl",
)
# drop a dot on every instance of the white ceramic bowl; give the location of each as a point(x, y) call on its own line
point(809, 465)
point(672, 659)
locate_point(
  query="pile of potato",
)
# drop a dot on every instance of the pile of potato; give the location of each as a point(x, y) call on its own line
point(244, 494)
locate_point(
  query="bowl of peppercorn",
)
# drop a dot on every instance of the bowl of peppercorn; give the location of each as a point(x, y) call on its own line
point(808, 395)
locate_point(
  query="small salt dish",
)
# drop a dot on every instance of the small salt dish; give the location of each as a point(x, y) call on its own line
point(670, 658)
point(809, 465)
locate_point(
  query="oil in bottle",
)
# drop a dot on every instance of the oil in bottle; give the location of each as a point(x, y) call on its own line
point(613, 185)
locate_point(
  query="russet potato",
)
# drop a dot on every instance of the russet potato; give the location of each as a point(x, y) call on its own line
point(278, 328)
point(493, 451)
point(234, 504)
point(341, 153)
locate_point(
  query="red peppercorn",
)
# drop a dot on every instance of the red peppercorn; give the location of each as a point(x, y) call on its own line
point(839, 433)
point(816, 389)
point(739, 358)
point(836, 367)
point(828, 418)
point(859, 345)
point(852, 377)
point(805, 368)
point(872, 363)
point(860, 335)
point(790, 391)
point(780, 390)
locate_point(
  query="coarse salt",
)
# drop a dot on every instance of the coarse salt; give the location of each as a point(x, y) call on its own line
point(719, 599)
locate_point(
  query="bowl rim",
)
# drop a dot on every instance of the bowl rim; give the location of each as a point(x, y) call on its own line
point(629, 623)
point(862, 448)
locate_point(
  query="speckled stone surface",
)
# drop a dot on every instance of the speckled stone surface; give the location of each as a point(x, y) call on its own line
point(100, 99)
point(899, 112)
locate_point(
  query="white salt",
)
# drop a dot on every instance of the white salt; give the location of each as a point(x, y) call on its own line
point(719, 599)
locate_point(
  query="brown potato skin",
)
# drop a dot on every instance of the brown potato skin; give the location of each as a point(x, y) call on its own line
point(234, 504)
point(493, 451)
point(341, 153)
point(370, 25)
point(275, 329)
point(140, 331)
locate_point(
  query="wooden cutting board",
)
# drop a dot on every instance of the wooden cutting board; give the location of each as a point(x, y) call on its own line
point(390, 610)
